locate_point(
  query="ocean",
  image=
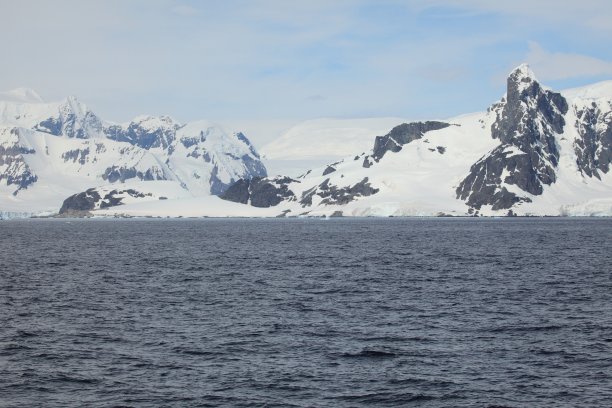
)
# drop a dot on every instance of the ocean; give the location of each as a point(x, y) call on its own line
point(512, 312)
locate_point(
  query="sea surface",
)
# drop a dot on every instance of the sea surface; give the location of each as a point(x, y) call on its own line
point(306, 313)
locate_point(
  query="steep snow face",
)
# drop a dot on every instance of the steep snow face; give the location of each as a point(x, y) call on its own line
point(49, 151)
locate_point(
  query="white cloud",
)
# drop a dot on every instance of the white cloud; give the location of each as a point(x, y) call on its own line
point(556, 65)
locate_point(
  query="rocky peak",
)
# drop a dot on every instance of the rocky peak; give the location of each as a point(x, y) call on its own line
point(73, 119)
point(520, 79)
point(146, 131)
point(526, 105)
point(527, 123)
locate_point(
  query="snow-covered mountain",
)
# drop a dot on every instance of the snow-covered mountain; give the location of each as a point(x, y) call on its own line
point(535, 152)
point(50, 151)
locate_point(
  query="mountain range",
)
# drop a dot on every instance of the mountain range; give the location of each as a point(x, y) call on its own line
point(534, 152)
point(50, 151)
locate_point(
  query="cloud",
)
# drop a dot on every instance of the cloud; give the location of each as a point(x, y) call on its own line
point(558, 66)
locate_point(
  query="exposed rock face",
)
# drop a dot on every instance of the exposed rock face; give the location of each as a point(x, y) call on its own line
point(147, 132)
point(333, 195)
point(92, 199)
point(260, 192)
point(484, 183)
point(253, 167)
point(75, 155)
point(116, 173)
point(594, 147)
point(401, 135)
point(14, 171)
point(73, 120)
point(328, 170)
point(527, 123)
point(84, 201)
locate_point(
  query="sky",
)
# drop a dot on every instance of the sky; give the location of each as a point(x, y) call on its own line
point(277, 62)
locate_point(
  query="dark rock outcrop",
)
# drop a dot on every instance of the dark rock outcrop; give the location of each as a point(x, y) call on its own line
point(331, 168)
point(333, 195)
point(75, 155)
point(91, 200)
point(401, 135)
point(116, 173)
point(84, 201)
point(260, 192)
point(328, 170)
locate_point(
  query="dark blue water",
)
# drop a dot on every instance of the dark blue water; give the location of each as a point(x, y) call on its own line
point(338, 313)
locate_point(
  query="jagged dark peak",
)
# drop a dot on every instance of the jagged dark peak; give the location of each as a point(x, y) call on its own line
point(523, 86)
point(527, 122)
point(526, 103)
